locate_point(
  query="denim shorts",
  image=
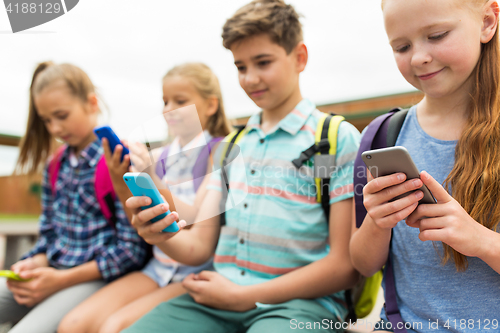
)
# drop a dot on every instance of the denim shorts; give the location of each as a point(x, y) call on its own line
point(163, 274)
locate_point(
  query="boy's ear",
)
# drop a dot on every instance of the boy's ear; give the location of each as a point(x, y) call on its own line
point(213, 105)
point(490, 21)
point(301, 56)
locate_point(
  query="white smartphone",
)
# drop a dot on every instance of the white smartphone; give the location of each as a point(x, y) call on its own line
point(386, 161)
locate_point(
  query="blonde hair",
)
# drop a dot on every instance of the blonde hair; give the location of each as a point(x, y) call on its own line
point(475, 178)
point(37, 143)
point(272, 17)
point(207, 85)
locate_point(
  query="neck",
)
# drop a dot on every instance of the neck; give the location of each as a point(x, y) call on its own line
point(90, 138)
point(443, 118)
point(184, 140)
point(271, 117)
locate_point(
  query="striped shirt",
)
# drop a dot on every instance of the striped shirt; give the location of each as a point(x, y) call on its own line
point(276, 225)
point(73, 229)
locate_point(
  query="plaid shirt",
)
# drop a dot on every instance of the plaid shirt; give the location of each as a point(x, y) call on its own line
point(73, 229)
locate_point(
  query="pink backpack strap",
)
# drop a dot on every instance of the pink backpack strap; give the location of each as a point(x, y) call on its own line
point(54, 167)
point(105, 192)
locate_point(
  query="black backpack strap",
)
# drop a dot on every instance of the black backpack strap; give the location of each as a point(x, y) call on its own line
point(324, 149)
point(112, 208)
point(395, 124)
point(225, 176)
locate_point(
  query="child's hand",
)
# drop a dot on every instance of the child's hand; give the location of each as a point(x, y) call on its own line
point(212, 289)
point(44, 281)
point(151, 232)
point(447, 221)
point(141, 158)
point(24, 265)
point(116, 168)
point(379, 191)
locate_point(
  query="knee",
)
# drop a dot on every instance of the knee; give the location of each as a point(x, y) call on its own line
point(114, 324)
point(73, 323)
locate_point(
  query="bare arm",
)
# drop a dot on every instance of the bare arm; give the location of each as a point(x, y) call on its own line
point(491, 249)
point(191, 247)
point(369, 244)
point(116, 170)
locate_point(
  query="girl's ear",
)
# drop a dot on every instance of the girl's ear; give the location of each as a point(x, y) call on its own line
point(93, 102)
point(213, 105)
point(490, 21)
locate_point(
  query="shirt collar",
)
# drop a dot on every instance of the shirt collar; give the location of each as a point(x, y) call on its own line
point(197, 141)
point(292, 122)
point(91, 154)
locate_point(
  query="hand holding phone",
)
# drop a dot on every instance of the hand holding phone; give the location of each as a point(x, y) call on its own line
point(141, 184)
point(11, 275)
point(386, 161)
point(107, 132)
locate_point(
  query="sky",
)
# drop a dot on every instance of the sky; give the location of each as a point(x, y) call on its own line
point(127, 46)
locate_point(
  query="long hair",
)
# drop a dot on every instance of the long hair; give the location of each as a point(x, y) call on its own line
point(206, 84)
point(475, 177)
point(37, 143)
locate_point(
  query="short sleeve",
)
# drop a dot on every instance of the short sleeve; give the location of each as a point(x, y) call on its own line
point(341, 182)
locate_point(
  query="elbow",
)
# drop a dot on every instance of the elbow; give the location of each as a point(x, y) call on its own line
point(353, 277)
point(361, 262)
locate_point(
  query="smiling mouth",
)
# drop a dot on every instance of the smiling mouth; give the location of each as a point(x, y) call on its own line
point(258, 93)
point(430, 75)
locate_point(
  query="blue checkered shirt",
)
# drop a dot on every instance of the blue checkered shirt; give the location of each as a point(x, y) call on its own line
point(73, 229)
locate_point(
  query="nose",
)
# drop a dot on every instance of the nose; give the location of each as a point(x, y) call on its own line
point(420, 56)
point(167, 108)
point(54, 128)
point(251, 77)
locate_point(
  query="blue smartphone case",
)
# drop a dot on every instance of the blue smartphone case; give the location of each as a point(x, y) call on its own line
point(107, 132)
point(141, 184)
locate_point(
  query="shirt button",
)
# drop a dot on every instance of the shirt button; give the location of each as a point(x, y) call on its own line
point(245, 205)
point(242, 272)
point(242, 241)
point(262, 140)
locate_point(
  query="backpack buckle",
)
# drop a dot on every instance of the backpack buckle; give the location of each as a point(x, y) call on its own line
point(324, 166)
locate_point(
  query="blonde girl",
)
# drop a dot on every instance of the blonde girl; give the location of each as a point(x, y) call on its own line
point(120, 304)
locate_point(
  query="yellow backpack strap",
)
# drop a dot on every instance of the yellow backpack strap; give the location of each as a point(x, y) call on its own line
point(230, 140)
point(326, 140)
point(233, 138)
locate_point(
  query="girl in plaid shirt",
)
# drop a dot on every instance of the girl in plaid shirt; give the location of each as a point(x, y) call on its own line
point(195, 116)
point(78, 250)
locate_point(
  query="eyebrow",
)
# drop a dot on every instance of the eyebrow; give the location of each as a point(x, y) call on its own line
point(257, 57)
point(427, 27)
point(55, 113)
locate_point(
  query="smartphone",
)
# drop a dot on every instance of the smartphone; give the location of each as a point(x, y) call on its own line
point(141, 184)
point(11, 275)
point(386, 161)
point(107, 132)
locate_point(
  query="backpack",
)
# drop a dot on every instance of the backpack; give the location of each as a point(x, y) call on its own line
point(200, 166)
point(104, 191)
point(361, 299)
point(380, 133)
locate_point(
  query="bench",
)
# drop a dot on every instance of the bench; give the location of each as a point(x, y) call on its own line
point(16, 238)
